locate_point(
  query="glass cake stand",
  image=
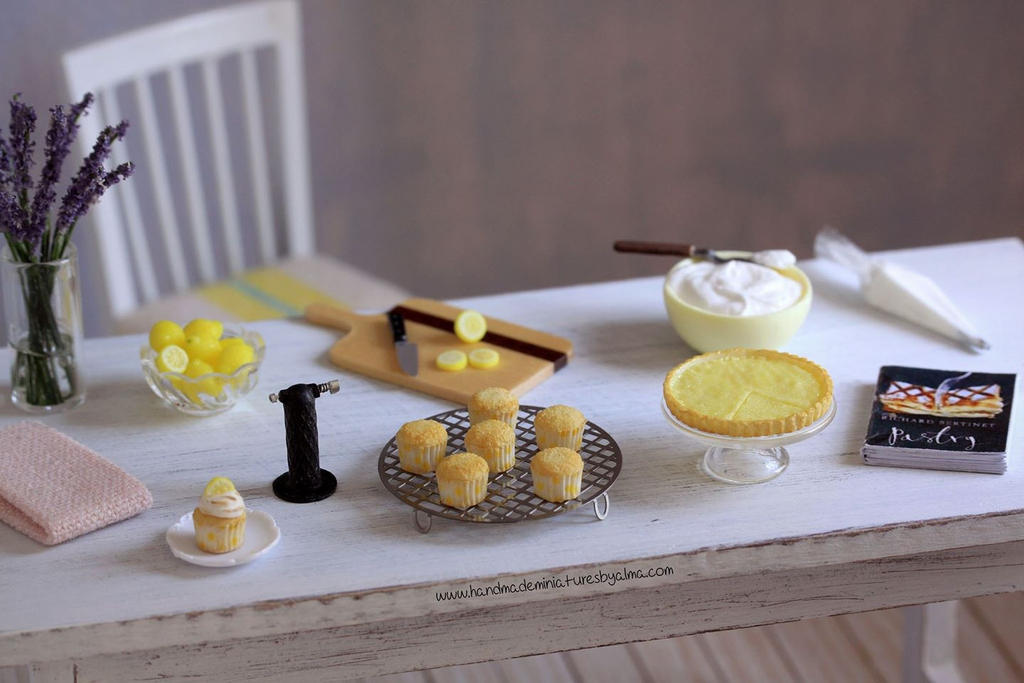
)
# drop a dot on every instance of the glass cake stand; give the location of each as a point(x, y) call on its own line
point(747, 459)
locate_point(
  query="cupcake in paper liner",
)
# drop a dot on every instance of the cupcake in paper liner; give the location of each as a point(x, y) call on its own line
point(495, 442)
point(559, 426)
point(494, 403)
point(219, 520)
point(557, 474)
point(421, 444)
point(462, 480)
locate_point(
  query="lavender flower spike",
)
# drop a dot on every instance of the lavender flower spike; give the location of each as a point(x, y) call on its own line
point(110, 179)
point(34, 230)
point(9, 216)
point(62, 133)
point(122, 172)
point(80, 194)
point(23, 124)
point(57, 147)
point(78, 109)
point(5, 163)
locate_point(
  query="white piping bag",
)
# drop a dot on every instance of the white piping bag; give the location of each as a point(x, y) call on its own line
point(900, 291)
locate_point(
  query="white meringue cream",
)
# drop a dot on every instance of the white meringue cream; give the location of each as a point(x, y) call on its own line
point(736, 288)
point(774, 258)
point(225, 505)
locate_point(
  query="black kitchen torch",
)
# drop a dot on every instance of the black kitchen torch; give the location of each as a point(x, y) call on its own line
point(304, 482)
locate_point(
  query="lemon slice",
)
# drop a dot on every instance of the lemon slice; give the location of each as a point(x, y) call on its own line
point(172, 358)
point(451, 360)
point(470, 326)
point(218, 486)
point(483, 359)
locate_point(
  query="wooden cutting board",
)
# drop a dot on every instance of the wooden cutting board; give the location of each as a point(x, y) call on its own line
point(528, 357)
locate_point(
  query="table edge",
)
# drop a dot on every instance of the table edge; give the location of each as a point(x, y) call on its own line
point(351, 608)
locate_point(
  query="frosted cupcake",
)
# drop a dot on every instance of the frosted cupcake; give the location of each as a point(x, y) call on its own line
point(559, 426)
point(420, 445)
point(219, 520)
point(557, 474)
point(494, 403)
point(462, 480)
point(495, 442)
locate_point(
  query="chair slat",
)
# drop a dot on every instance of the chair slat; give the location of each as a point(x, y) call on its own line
point(161, 185)
point(257, 155)
point(205, 39)
point(202, 245)
point(133, 224)
point(107, 226)
point(225, 179)
point(294, 138)
point(241, 26)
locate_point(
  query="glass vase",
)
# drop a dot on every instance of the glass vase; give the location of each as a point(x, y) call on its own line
point(43, 318)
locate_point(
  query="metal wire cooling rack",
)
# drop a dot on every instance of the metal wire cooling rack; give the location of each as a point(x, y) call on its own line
point(510, 496)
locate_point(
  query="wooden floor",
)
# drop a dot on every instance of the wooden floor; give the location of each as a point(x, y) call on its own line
point(857, 647)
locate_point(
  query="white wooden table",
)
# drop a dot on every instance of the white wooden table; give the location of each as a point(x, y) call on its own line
point(352, 587)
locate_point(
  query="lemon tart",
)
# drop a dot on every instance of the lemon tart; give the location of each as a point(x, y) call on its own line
point(748, 392)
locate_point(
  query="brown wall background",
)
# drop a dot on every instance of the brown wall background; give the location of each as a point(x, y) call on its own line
point(472, 147)
point(526, 136)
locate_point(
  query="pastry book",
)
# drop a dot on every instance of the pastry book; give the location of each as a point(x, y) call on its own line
point(940, 419)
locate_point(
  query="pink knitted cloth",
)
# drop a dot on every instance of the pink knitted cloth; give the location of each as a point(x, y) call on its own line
point(53, 488)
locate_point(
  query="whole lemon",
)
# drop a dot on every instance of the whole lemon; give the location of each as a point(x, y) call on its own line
point(212, 386)
point(198, 368)
point(235, 356)
point(165, 333)
point(207, 329)
point(202, 348)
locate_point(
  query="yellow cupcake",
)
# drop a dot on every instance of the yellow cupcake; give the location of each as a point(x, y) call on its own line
point(495, 442)
point(494, 403)
point(557, 474)
point(219, 520)
point(421, 444)
point(560, 426)
point(462, 480)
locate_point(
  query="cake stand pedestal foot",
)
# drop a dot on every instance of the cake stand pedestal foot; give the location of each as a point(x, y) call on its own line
point(744, 465)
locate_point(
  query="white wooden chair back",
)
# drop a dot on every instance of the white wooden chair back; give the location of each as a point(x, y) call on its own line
point(200, 42)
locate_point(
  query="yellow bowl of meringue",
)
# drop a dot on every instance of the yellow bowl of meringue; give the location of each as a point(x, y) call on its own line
point(715, 306)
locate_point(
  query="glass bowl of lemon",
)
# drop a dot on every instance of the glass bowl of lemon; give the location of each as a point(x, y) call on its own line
point(203, 368)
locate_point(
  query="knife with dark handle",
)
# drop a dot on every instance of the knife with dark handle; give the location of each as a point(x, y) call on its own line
point(408, 356)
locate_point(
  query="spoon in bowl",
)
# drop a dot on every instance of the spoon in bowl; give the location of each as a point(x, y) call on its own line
point(770, 258)
point(674, 249)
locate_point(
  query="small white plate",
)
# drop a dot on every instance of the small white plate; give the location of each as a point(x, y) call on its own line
point(261, 534)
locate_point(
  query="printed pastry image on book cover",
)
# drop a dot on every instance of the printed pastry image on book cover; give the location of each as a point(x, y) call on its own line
point(940, 419)
point(945, 400)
